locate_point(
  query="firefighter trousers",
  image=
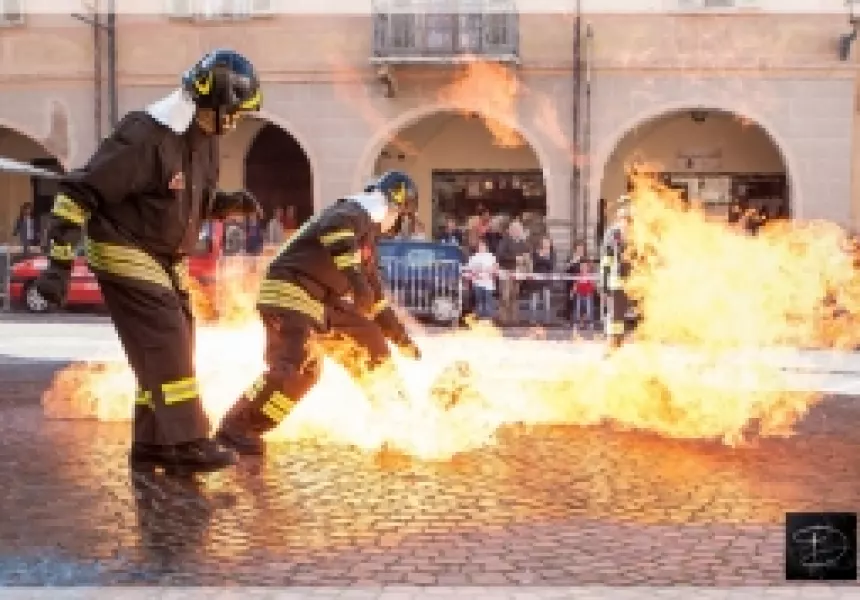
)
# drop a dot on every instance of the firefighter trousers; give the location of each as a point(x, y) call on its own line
point(156, 328)
point(300, 331)
point(617, 306)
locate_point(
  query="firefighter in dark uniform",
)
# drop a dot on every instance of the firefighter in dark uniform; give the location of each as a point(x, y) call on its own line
point(305, 314)
point(614, 268)
point(142, 197)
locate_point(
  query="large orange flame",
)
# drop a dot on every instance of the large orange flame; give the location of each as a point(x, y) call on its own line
point(712, 296)
point(491, 91)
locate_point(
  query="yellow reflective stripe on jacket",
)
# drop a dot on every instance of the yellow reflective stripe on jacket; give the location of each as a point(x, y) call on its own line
point(289, 296)
point(347, 261)
point(378, 307)
point(277, 407)
point(180, 390)
point(336, 236)
point(143, 398)
point(127, 262)
point(62, 252)
point(68, 209)
point(183, 276)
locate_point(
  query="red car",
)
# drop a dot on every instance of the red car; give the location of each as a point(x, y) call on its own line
point(84, 290)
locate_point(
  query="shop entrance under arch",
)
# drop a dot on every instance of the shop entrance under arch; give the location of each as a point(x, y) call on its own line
point(278, 172)
point(724, 161)
point(462, 162)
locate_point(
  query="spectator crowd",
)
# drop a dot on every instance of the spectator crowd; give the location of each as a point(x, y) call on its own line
point(511, 264)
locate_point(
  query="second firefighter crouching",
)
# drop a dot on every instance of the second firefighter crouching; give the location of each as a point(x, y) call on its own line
point(306, 316)
point(615, 267)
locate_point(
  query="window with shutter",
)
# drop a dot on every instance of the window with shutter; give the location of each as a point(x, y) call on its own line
point(218, 10)
point(11, 12)
point(180, 9)
point(261, 8)
point(696, 5)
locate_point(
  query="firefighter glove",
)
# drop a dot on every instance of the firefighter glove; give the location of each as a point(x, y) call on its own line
point(395, 331)
point(53, 283)
point(409, 348)
point(362, 295)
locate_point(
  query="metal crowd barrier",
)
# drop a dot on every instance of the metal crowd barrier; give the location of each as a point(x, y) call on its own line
point(428, 289)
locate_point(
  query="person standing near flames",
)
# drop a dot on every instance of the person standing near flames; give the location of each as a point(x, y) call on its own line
point(143, 197)
point(614, 268)
point(303, 306)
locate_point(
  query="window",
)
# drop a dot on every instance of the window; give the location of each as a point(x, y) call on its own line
point(717, 5)
point(11, 12)
point(218, 10)
point(443, 28)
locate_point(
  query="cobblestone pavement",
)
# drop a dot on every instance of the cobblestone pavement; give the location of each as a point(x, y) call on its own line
point(548, 506)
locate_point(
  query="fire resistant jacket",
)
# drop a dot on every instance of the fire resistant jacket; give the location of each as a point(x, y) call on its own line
point(142, 197)
point(330, 249)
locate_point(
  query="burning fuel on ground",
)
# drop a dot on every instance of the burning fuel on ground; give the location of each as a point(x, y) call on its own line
point(711, 296)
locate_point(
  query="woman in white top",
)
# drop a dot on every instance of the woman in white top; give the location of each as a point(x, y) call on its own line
point(483, 267)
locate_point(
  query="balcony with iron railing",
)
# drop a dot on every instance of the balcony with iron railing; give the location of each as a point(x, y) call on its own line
point(412, 31)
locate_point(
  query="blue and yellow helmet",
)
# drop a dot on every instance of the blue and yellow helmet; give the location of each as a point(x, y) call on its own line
point(398, 188)
point(224, 81)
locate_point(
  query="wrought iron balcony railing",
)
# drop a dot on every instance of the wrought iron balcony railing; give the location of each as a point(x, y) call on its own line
point(409, 33)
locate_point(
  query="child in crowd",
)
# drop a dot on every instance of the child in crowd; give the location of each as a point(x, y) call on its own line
point(583, 290)
point(484, 268)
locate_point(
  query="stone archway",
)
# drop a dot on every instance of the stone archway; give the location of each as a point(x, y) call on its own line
point(279, 173)
point(451, 141)
point(651, 120)
point(268, 159)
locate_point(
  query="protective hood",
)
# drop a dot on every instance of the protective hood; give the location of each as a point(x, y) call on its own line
point(375, 203)
point(175, 111)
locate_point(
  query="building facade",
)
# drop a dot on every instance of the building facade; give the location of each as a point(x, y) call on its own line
point(499, 108)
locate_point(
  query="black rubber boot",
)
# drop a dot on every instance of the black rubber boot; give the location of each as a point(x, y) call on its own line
point(237, 431)
point(199, 456)
point(245, 444)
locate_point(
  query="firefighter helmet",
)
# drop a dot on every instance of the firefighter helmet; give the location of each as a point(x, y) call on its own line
point(398, 188)
point(226, 82)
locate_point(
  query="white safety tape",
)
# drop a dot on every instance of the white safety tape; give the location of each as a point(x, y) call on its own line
point(538, 276)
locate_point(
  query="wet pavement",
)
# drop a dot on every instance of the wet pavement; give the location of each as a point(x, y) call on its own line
point(546, 506)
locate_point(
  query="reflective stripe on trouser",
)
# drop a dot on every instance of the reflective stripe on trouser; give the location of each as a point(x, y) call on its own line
point(616, 308)
point(155, 326)
point(292, 371)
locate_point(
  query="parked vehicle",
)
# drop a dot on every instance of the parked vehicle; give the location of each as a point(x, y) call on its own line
point(424, 278)
point(84, 290)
